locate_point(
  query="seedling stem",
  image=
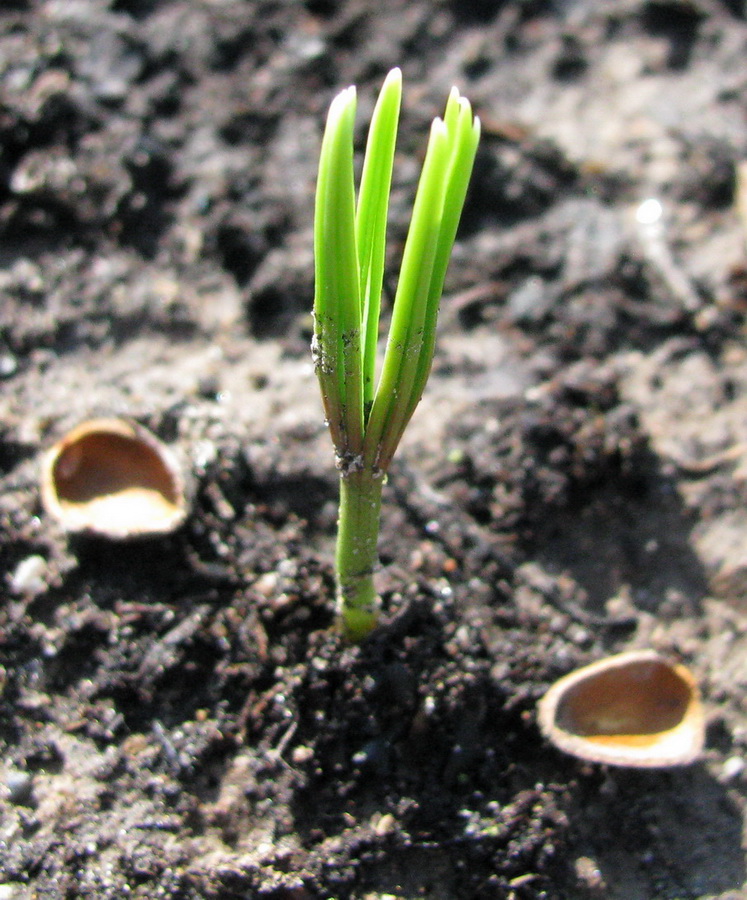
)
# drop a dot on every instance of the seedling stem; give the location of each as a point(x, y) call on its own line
point(367, 419)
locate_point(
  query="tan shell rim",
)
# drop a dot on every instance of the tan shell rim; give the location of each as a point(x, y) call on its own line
point(677, 746)
point(172, 507)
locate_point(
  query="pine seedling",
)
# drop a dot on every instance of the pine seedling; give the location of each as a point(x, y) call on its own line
point(366, 416)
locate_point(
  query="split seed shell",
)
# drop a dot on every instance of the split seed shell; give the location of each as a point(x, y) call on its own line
point(113, 478)
point(632, 709)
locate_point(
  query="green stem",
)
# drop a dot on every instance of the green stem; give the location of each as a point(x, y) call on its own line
point(357, 557)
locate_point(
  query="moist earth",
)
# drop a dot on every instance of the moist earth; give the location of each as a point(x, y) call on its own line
point(179, 717)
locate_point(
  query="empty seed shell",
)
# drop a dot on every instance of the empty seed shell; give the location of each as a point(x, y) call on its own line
point(113, 478)
point(632, 709)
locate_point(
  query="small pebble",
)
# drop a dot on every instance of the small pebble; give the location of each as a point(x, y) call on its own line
point(373, 755)
point(301, 754)
point(205, 453)
point(8, 365)
point(28, 577)
point(649, 212)
point(19, 785)
point(588, 873)
point(732, 768)
point(383, 825)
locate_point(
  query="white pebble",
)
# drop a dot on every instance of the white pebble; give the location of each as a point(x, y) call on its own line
point(732, 768)
point(29, 576)
point(649, 212)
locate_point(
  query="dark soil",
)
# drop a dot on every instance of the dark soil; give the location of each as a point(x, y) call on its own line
point(178, 717)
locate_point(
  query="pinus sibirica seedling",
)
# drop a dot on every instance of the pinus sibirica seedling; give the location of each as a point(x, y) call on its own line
point(366, 416)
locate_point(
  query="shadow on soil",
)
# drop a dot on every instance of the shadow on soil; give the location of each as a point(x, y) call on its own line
point(626, 537)
point(684, 816)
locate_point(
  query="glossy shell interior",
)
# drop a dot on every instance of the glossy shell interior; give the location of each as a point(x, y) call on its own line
point(115, 479)
point(633, 709)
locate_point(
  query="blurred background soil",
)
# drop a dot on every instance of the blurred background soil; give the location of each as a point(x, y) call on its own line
point(178, 718)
